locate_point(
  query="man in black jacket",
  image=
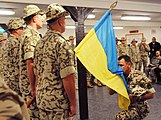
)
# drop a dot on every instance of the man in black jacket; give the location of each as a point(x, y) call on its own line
point(154, 46)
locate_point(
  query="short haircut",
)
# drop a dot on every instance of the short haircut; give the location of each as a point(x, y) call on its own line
point(126, 58)
point(29, 18)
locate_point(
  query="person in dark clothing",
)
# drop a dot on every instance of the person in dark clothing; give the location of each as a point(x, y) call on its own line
point(154, 46)
point(158, 73)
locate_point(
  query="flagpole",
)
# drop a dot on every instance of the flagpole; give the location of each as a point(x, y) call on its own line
point(113, 5)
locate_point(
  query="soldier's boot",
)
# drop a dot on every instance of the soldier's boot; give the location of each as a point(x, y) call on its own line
point(89, 85)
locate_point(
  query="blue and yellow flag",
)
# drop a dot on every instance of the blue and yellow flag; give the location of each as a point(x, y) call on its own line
point(97, 52)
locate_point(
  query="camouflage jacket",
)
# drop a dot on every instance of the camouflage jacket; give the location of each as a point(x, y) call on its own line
point(139, 84)
point(12, 107)
point(52, 62)
point(144, 49)
point(28, 41)
point(123, 49)
point(134, 53)
point(11, 63)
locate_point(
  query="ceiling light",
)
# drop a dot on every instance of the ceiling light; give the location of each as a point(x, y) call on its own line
point(91, 16)
point(135, 17)
point(71, 27)
point(6, 11)
point(117, 28)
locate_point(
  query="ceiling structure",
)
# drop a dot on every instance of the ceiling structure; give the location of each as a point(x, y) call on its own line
point(151, 8)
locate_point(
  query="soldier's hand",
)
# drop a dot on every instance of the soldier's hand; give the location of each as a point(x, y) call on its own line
point(134, 98)
point(72, 110)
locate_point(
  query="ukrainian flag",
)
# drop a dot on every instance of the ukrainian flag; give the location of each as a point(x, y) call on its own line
point(97, 52)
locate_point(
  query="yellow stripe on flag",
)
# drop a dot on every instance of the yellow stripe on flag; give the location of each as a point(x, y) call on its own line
point(92, 55)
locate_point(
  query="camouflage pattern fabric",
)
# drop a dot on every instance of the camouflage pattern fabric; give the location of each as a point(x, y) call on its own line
point(55, 11)
point(134, 54)
point(12, 107)
point(117, 48)
point(144, 53)
point(52, 62)
point(72, 47)
point(28, 41)
point(15, 23)
point(11, 63)
point(2, 50)
point(52, 115)
point(1, 62)
point(123, 49)
point(30, 10)
point(139, 85)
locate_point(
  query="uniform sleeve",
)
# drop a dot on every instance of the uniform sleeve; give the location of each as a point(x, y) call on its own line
point(11, 105)
point(148, 85)
point(65, 60)
point(28, 41)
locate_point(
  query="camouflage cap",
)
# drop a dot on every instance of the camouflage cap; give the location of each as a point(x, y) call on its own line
point(30, 10)
point(55, 11)
point(123, 38)
point(15, 23)
point(134, 40)
point(71, 37)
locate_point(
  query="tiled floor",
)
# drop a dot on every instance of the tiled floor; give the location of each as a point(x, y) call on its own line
point(103, 106)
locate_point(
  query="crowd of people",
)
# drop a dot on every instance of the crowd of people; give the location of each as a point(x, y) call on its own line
point(145, 57)
point(39, 72)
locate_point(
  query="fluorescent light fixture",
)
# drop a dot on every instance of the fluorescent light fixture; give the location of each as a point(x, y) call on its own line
point(135, 17)
point(71, 27)
point(118, 28)
point(91, 16)
point(6, 11)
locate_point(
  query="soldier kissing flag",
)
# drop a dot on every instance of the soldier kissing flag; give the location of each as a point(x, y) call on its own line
point(97, 52)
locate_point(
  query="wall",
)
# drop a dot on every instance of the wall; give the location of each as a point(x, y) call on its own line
point(148, 32)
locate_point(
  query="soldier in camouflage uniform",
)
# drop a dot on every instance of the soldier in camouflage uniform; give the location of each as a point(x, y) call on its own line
point(134, 54)
point(144, 50)
point(55, 69)
point(123, 48)
point(117, 46)
point(12, 106)
point(11, 55)
point(34, 18)
point(140, 91)
point(2, 50)
point(72, 46)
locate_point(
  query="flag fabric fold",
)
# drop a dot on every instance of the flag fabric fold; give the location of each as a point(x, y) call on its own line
point(97, 52)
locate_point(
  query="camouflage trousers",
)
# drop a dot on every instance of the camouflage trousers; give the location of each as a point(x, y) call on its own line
point(144, 62)
point(54, 115)
point(132, 114)
point(33, 109)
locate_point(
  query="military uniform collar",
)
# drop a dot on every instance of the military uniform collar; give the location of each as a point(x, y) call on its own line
point(30, 27)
